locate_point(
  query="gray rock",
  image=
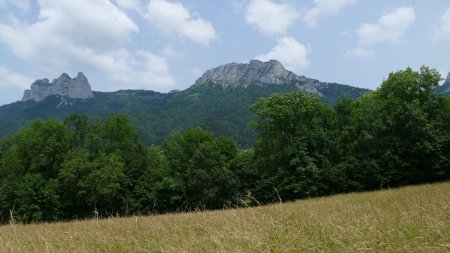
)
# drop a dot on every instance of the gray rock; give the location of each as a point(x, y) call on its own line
point(257, 72)
point(447, 80)
point(65, 86)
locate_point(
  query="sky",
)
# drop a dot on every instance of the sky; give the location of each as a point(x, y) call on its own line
point(163, 45)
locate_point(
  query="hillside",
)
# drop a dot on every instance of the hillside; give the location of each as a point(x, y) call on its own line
point(219, 102)
point(409, 219)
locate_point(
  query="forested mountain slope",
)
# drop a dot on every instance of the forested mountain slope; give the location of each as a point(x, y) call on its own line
point(219, 102)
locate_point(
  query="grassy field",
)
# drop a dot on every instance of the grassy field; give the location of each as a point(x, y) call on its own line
point(410, 219)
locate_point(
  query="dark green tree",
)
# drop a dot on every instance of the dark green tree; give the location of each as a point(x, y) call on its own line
point(116, 135)
point(149, 182)
point(199, 173)
point(29, 189)
point(293, 145)
point(399, 134)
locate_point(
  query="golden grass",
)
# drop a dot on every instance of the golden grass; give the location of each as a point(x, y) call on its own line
point(410, 219)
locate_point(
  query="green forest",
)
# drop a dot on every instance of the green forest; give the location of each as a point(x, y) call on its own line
point(73, 169)
point(219, 108)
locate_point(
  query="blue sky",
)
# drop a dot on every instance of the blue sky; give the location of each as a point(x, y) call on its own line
point(167, 44)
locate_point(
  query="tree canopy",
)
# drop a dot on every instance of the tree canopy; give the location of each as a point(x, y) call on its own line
point(394, 136)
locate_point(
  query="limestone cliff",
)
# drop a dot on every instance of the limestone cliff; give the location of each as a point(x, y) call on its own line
point(257, 72)
point(64, 86)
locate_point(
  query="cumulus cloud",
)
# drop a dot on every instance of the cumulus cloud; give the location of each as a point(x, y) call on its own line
point(128, 4)
point(67, 36)
point(142, 70)
point(269, 17)
point(389, 29)
point(12, 80)
point(323, 9)
point(291, 53)
point(442, 31)
point(174, 19)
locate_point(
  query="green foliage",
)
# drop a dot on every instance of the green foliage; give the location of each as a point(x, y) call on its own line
point(199, 169)
point(92, 184)
point(42, 147)
point(293, 144)
point(399, 133)
point(147, 184)
point(221, 110)
point(444, 89)
point(54, 170)
point(101, 186)
point(245, 168)
point(396, 135)
point(36, 198)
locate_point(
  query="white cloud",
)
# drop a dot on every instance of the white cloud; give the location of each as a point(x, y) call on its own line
point(174, 19)
point(12, 80)
point(143, 70)
point(292, 54)
point(24, 5)
point(324, 8)
point(269, 17)
point(68, 36)
point(129, 4)
point(442, 31)
point(390, 28)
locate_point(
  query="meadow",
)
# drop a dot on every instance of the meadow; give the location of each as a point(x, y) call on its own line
point(408, 219)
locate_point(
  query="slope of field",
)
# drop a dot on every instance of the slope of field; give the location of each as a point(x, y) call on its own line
point(410, 219)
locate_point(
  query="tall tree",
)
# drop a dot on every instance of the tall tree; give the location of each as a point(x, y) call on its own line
point(293, 145)
point(401, 130)
point(29, 189)
point(199, 169)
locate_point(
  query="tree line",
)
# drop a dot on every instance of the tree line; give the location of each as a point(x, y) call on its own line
point(71, 169)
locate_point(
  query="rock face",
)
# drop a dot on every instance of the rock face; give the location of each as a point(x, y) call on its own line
point(447, 80)
point(65, 86)
point(257, 72)
point(444, 89)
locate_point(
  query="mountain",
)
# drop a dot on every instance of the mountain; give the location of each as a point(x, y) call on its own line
point(64, 86)
point(219, 101)
point(444, 89)
point(271, 72)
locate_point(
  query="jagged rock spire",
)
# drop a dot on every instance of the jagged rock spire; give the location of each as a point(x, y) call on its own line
point(64, 85)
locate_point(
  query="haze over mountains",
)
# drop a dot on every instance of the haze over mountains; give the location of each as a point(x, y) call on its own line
point(219, 101)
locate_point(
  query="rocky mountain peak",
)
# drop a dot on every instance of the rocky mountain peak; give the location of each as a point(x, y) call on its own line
point(64, 85)
point(81, 76)
point(256, 71)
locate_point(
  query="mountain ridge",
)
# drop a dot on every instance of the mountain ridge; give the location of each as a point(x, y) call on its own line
point(257, 72)
point(221, 107)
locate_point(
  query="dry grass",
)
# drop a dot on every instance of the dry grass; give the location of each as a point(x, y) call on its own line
point(410, 219)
